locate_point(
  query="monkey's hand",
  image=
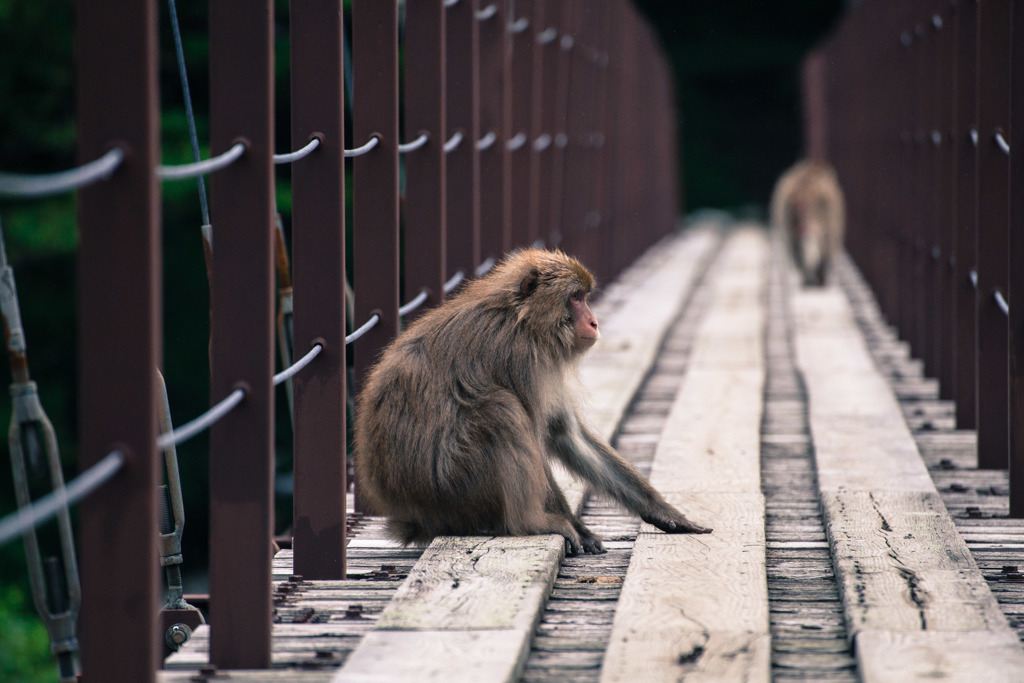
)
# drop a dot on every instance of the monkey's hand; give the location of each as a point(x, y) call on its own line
point(591, 543)
point(678, 525)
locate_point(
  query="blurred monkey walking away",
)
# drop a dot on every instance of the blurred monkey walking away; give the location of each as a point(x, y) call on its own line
point(809, 213)
point(456, 422)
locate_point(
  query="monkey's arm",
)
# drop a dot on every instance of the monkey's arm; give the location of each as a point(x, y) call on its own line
point(596, 462)
point(556, 503)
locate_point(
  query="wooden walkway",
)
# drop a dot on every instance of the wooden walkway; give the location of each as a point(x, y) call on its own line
point(853, 537)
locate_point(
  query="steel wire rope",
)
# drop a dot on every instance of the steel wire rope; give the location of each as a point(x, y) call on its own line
point(413, 145)
point(197, 169)
point(46, 184)
point(300, 153)
point(45, 507)
point(360, 151)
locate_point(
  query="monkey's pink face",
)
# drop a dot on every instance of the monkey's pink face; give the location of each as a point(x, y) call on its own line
point(584, 321)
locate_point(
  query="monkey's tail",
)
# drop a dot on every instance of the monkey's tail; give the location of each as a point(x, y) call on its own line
point(408, 533)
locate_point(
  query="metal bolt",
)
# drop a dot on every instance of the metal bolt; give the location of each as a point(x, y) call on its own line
point(354, 612)
point(947, 464)
point(177, 635)
point(974, 512)
point(959, 488)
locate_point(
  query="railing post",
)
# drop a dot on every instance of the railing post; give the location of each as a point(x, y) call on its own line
point(993, 231)
point(965, 169)
point(495, 223)
point(242, 443)
point(946, 197)
point(318, 260)
point(425, 214)
point(543, 35)
point(1016, 270)
point(119, 342)
point(521, 32)
point(462, 116)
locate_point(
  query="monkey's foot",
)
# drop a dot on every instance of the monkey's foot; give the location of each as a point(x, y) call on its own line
point(591, 543)
point(681, 525)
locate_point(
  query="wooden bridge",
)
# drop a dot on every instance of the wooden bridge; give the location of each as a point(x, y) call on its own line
point(853, 538)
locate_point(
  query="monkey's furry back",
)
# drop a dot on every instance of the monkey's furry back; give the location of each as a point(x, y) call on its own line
point(462, 380)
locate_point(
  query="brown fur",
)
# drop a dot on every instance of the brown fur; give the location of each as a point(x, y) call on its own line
point(457, 419)
point(809, 214)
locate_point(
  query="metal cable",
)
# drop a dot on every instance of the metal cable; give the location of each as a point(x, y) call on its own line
point(413, 145)
point(453, 141)
point(542, 142)
point(548, 35)
point(415, 303)
point(295, 367)
point(487, 12)
point(359, 151)
point(973, 276)
point(297, 154)
point(190, 429)
point(366, 327)
point(1001, 141)
point(486, 141)
point(1004, 306)
point(485, 267)
point(974, 136)
point(189, 113)
point(454, 282)
point(23, 519)
point(515, 142)
point(198, 168)
point(451, 3)
point(44, 185)
point(519, 25)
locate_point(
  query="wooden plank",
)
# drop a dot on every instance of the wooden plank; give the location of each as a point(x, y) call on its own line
point(916, 605)
point(697, 605)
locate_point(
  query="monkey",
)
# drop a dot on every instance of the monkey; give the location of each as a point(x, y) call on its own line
point(809, 214)
point(459, 417)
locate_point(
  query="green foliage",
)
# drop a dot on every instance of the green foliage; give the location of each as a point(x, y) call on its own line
point(24, 646)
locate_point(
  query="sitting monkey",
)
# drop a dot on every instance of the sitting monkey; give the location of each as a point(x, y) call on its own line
point(457, 420)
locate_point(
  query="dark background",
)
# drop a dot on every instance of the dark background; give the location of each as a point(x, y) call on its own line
point(739, 118)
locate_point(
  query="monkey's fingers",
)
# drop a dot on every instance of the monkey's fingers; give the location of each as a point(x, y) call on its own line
point(680, 526)
point(572, 547)
point(593, 546)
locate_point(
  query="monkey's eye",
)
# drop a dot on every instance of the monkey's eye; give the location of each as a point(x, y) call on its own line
point(578, 296)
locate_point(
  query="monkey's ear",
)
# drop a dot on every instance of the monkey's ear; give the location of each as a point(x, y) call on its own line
point(529, 283)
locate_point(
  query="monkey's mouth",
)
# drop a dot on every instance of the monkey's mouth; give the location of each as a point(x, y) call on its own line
point(586, 341)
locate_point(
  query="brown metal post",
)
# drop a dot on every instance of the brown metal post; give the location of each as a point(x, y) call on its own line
point(462, 117)
point(521, 39)
point(425, 216)
point(544, 39)
point(993, 232)
point(965, 186)
point(495, 225)
point(562, 19)
point(375, 186)
point(318, 260)
point(242, 443)
point(944, 195)
point(119, 339)
point(1016, 275)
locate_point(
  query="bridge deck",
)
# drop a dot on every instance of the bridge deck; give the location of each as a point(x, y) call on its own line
point(854, 537)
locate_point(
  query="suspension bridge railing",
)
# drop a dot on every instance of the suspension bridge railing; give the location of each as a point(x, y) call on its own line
point(535, 122)
point(917, 106)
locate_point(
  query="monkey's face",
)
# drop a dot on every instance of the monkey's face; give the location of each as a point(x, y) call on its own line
point(584, 321)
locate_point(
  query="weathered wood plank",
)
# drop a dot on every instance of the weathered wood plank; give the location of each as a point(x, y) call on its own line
point(916, 605)
point(697, 605)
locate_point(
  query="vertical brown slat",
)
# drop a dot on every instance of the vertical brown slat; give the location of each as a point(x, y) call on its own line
point(966, 188)
point(572, 175)
point(521, 46)
point(945, 197)
point(119, 339)
point(462, 116)
point(544, 43)
point(241, 444)
point(562, 19)
point(318, 260)
point(1016, 257)
point(375, 186)
point(425, 214)
point(993, 231)
point(495, 238)
point(932, 333)
point(920, 335)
